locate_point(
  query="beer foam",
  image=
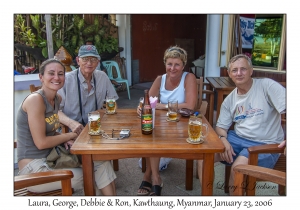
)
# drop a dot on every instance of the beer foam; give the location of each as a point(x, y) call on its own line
point(195, 123)
point(93, 118)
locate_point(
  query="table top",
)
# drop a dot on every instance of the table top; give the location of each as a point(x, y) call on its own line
point(167, 138)
point(224, 83)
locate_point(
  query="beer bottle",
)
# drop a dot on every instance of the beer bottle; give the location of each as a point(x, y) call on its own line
point(146, 115)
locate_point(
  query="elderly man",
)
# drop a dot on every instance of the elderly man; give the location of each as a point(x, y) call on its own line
point(255, 106)
point(85, 90)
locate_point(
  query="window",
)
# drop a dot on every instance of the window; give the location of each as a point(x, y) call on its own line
point(262, 37)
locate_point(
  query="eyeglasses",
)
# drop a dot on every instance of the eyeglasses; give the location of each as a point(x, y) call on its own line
point(86, 59)
point(176, 49)
point(242, 70)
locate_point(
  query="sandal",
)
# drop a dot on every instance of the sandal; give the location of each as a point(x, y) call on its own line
point(145, 186)
point(156, 190)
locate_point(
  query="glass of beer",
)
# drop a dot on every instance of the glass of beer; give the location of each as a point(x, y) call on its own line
point(110, 105)
point(197, 130)
point(173, 110)
point(141, 101)
point(94, 123)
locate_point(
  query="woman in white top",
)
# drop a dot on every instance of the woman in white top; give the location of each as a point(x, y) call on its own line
point(177, 85)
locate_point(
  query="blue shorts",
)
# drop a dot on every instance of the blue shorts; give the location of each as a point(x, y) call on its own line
point(240, 147)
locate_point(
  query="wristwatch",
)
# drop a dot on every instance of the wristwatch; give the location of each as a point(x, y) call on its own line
point(221, 136)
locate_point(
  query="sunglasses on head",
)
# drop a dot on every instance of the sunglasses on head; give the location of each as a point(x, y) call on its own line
point(175, 49)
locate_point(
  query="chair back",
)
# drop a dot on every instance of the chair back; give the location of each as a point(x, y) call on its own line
point(34, 88)
point(199, 92)
point(109, 66)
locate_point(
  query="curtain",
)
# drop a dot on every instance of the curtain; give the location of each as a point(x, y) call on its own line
point(234, 37)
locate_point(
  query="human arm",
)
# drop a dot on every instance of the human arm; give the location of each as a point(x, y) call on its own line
point(154, 92)
point(281, 145)
point(35, 108)
point(190, 85)
point(228, 153)
point(276, 95)
point(75, 126)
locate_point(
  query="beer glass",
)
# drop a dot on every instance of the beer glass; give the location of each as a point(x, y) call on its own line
point(141, 101)
point(197, 130)
point(110, 105)
point(94, 122)
point(173, 110)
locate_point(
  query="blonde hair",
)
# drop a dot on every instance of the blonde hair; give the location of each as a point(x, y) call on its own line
point(176, 52)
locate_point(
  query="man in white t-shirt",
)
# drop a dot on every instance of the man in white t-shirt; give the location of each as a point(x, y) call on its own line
point(255, 107)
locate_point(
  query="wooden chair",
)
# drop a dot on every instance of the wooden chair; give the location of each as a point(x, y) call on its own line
point(21, 182)
point(202, 106)
point(261, 173)
point(253, 160)
point(34, 88)
point(65, 129)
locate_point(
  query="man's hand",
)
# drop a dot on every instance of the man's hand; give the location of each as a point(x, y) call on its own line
point(227, 155)
point(281, 145)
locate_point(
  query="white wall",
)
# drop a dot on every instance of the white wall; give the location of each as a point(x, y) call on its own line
point(212, 68)
point(124, 30)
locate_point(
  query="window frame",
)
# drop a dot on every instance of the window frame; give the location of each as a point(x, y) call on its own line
point(282, 52)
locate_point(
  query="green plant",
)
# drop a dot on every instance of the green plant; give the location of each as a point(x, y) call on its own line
point(24, 34)
point(270, 29)
point(68, 30)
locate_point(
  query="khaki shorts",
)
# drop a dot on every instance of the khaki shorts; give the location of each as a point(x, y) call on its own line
point(104, 175)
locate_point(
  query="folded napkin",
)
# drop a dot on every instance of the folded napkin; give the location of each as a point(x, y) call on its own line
point(153, 102)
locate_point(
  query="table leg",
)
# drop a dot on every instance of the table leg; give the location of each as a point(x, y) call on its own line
point(208, 174)
point(189, 174)
point(88, 175)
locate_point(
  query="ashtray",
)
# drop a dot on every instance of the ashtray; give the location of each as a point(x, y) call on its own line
point(185, 112)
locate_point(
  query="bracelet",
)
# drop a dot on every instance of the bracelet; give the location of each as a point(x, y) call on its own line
point(221, 137)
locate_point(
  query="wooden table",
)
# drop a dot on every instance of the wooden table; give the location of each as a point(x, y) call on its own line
point(223, 86)
point(167, 140)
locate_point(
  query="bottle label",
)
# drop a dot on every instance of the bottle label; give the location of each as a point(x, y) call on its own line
point(147, 122)
point(147, 106)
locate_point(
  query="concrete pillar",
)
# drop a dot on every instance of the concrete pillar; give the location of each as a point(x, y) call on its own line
point(123, 23)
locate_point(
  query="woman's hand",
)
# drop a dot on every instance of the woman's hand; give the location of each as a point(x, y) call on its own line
point(139, 110)
point(160, 106)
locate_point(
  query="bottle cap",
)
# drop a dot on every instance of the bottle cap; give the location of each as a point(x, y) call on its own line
point(196, 113)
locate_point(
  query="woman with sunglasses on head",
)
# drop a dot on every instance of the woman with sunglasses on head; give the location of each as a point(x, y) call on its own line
point(37, 122)
point(175, 84)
